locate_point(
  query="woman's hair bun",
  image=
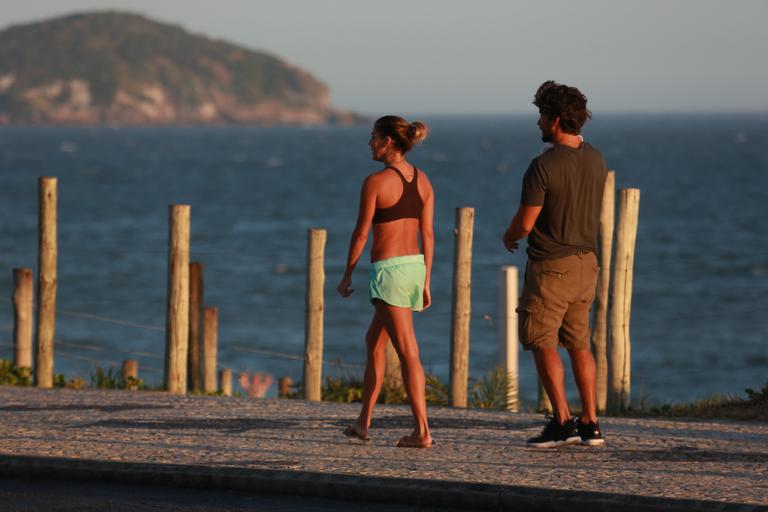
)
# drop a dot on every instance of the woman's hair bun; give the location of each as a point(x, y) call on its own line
point(403, 133)
point(417, 132)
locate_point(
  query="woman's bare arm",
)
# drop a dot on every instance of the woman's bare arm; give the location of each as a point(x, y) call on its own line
point(427, 236)
point(360, 233)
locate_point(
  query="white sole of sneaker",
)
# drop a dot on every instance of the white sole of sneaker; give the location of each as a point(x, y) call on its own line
point(593, 442)
point(555, 444)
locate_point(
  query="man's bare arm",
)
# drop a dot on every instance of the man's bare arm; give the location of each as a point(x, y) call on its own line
point(521, 225)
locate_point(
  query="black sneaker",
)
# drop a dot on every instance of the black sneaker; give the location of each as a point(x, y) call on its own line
point(555, 434)
point(590, 434)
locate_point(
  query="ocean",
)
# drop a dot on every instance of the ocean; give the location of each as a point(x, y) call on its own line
point(700, 301)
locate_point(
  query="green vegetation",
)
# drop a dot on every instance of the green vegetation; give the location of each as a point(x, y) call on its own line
point(60, 381)
point(486, 393)
point(437, 391)
point(491, 391)
point(200, 392)
point(112, 378)
point(349, 389)
point(106, 379)
point(752, 407)
point(123, 52)
point(12, 375)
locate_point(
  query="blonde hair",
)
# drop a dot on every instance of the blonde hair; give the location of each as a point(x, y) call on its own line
point(405, 135)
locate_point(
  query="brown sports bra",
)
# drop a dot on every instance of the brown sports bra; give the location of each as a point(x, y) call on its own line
point(409, 205)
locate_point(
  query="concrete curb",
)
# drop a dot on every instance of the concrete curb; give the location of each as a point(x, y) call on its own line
point(354, 488)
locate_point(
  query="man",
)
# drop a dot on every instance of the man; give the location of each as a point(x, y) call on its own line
point(559, 213)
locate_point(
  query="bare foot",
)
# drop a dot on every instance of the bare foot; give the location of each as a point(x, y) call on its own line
point(415, 441)
point(355, 430)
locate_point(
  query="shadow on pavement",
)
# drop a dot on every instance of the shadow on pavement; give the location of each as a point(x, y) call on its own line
point(82, 407)
point(689, 454)
point(228, 425)
point(400, 422)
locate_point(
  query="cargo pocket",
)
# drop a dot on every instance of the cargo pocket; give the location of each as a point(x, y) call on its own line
point(555, 273)
point(530, 313)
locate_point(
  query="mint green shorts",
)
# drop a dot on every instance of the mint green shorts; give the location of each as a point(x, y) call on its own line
point(399, 281)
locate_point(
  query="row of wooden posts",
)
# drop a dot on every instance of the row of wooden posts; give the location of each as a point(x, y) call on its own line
point(192, 329)
point(198, 330)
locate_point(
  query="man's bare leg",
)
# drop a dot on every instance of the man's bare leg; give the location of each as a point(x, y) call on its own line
point(399, 324)
point(585, 374)
point(375, 343)
point(552, 375)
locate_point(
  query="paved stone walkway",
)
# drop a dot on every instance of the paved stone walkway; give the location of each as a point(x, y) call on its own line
point(720, 461)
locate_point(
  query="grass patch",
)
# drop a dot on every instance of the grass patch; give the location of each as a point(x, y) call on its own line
point(111, 378)
point(200, 392)
point(490, 392)
point(348, 388)
point(106, 379)
point(487, 393)
point(752, 407)
point(12, 375)
point(60, 381)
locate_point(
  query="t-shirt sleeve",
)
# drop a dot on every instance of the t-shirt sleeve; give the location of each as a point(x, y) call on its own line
point(534, 184)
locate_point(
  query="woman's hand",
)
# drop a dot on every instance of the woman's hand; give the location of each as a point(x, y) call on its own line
point(343, 287)
point(427, 298)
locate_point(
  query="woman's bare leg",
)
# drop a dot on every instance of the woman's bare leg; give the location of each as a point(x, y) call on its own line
point(398, 322)
point(375, 342)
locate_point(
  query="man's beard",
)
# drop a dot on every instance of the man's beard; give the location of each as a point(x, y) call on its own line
point(546, 136)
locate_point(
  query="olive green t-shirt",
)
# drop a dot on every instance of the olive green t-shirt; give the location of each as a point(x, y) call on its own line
point(568, 183)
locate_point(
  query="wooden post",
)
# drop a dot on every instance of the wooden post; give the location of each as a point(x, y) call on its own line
point(543, 404)
point(284, 387)
point(177, 315)
point(600, 319)
point(130, 374)
point(194, 366)
point(226, 382)
point(508, 336)
point(210, 348)
point(313, 341)
point(23, 301)
point(47, 282)
point(621, 298)
point(461, 306)
point(393, 376)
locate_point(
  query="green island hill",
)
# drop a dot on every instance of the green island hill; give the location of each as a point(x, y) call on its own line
point(115, 68)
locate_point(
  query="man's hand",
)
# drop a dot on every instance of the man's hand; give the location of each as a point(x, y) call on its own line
point(343, 288)
point(522, 224)
point(509, 243)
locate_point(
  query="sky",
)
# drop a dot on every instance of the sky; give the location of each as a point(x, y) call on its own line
point(487, 56)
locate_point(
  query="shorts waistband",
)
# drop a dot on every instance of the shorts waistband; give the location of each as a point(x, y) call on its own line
point(580, 253)
point(398, 260)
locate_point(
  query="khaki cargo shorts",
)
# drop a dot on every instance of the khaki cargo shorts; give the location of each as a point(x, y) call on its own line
point(556, 300)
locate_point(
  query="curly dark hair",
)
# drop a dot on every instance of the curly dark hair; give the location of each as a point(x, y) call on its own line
point(567, 103)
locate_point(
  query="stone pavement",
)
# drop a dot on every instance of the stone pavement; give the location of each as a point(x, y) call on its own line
point(295, 447)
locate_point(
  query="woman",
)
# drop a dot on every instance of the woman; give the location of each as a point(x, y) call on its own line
point(399, 203)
